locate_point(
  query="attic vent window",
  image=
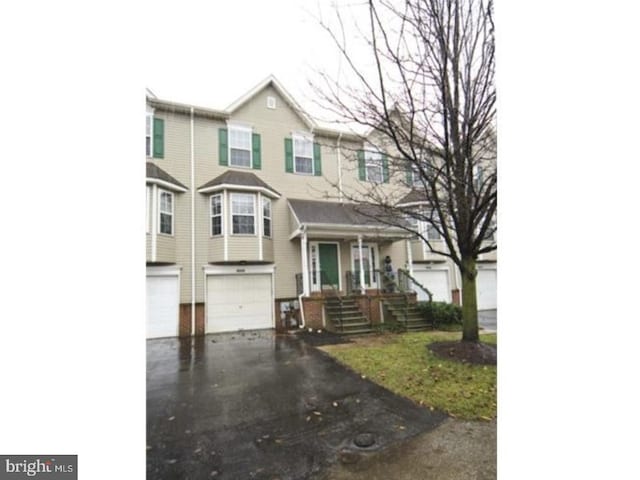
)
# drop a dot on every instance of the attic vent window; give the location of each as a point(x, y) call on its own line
point(271, 102)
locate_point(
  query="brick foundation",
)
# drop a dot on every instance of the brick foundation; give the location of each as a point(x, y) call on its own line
point(313, 312)
point(185, 319)
point(455, 296)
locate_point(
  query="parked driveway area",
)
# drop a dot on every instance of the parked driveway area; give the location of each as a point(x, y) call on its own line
point(488, 320)
point(257, 405)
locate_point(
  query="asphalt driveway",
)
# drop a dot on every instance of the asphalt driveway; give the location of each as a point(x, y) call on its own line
point(488, 320)
point(257, 405)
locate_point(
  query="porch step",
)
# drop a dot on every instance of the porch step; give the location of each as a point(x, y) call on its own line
point(407, 315)
point(346, 317)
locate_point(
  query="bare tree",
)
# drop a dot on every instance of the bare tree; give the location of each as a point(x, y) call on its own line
point(428, 102)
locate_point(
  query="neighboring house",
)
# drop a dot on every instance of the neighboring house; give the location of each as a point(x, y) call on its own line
point(246, 227)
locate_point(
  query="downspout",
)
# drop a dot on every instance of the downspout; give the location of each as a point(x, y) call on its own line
point(339, 168)
point(154, 222)
point(305, 274)
point(193, 233)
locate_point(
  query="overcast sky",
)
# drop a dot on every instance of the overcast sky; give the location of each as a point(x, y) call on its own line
point(210, 56)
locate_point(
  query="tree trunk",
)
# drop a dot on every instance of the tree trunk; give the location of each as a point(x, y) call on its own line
point(469, 301)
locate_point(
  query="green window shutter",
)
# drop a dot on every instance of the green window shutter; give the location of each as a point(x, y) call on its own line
point(409, 174)
point(317, 160)
point(158, 137)
point(385, 168)
point(223, 147)
point(362, 173)
point(288, 155)
point(257, 159)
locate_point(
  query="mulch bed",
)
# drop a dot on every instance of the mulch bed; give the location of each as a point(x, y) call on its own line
point(476, 353)
point(316, 339)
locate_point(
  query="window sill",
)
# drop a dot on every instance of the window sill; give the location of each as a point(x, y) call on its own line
point(169, 235)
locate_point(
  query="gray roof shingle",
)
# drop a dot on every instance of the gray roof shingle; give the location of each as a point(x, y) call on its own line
point(313, 211)
point(246, 179)
point(153, 171)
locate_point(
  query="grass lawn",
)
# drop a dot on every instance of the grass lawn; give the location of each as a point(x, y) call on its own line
point(403, 364)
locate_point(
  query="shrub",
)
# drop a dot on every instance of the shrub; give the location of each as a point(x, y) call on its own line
point(441, 313)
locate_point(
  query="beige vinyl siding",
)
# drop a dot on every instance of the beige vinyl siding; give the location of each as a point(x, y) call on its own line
point(417, 253)
point(148, 249)
point(267, 249)
point(165, 248)
point(243, 247)
point(216, 249)
point(293, 223)
point(208, 249)
point(286, 253)
point(397, 251)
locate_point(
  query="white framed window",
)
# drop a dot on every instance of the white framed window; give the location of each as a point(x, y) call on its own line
point(432, 233)
point(165, 212)
point(149, 134)
point(216, 214)
point(266, 217)
point(416, 179)
point(373, 166)
point(147, 217)
point(303, 154)
point(240, 146)
point(243, 214)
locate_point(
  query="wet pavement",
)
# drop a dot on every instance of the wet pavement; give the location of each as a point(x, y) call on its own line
point(257, 405)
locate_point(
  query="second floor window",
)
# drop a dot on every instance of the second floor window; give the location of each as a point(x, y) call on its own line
point(432, 233)
point(166, 212)
point(216, 215)
point(302, 154)
point(243, 213)
point(240, 147)
point(373, 165)
point(149, 134)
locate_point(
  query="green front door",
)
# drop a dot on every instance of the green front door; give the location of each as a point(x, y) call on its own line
point(328, 253)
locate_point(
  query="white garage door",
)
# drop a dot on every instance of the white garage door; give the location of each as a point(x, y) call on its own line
point(162, 306)
point(239, 302)
point(486, 289)
point(436, 281)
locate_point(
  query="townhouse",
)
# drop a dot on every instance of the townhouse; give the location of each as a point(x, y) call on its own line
point(247, 226)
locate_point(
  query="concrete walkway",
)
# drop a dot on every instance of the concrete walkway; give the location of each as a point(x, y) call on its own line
point(456, 450)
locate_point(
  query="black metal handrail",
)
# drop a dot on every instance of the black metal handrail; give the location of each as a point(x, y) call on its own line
point(405, 280)
point(353, 279)
point(335, 291)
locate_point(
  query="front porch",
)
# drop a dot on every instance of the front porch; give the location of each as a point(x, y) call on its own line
point(355, 270)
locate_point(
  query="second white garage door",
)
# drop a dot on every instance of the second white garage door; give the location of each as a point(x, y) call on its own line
point(436, 281)
point(162, 306)
point(486, 289)
point(239, 302)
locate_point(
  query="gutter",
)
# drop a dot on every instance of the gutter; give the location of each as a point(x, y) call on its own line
point(339, 169)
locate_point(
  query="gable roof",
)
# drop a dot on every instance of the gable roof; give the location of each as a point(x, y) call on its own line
point(239, 180)
point(273, 81)
point(156, 175)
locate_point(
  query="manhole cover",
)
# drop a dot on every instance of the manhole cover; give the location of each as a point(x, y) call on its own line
point(364, 440)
